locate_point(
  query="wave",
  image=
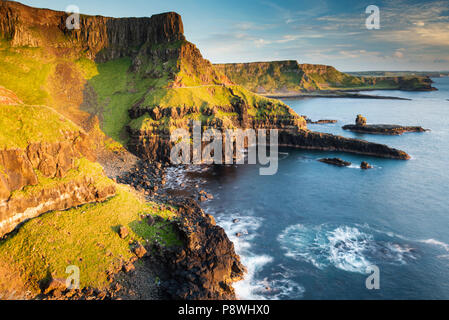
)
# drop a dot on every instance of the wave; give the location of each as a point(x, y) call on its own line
point(343, 247)
point(431, 241)
point(242, 230)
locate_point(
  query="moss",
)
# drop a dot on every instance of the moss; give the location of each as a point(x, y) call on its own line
point(24, 124)
point(86, 237)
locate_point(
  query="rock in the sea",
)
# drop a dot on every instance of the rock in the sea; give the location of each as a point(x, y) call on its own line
point(365, 165)
point(325, 121)
point(336, 162)
point(387, 129)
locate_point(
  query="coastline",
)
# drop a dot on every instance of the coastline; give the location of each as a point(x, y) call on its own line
point(339, 94)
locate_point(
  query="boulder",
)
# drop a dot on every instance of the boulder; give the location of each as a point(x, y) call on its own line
point(365, 165)
point(123, 232)
point(140, 251)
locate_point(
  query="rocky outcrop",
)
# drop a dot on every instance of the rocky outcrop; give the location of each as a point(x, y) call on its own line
point(205, 267)
point(365, 166)
point(18, 170)
point(327, 142)
point(63, 196)
point(360, 121)
point(336, 162)
point(385, 129)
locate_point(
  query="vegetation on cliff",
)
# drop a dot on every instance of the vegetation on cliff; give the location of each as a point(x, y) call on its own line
point(86, 237)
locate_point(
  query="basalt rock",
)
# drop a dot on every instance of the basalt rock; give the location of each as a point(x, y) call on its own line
point(386, 129)
point(360, 121)
point(336, 162)
point(102, 38)
point(365, 166)
point(327, 142)
point(206, 265)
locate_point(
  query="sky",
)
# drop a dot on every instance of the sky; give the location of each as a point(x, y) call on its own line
point(413, 34)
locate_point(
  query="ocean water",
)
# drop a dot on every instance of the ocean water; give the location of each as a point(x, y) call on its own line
point(312, 230)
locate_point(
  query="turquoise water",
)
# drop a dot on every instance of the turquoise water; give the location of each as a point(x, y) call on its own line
point(311, 231)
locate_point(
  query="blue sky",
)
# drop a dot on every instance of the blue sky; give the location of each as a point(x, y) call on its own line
point(414, 35)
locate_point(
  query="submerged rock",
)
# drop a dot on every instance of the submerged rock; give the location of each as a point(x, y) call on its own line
point(336, 162)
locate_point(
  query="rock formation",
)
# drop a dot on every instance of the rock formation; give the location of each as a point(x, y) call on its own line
point(336, 162)
point(386, 129)
point(365, 166)
point(205, 267)
point(360, 121)
point(38, 176)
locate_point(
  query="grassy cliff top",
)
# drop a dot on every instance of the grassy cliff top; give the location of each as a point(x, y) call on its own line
point(283, 76)
point(290, 76)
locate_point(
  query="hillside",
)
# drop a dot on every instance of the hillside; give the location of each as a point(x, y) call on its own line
point(110, 66)
point(47, 166)
point(280, 77)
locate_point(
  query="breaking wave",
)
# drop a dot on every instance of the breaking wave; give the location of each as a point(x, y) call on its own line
point(343, 247)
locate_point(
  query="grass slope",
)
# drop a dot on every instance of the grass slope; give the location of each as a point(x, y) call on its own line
point(86, 237)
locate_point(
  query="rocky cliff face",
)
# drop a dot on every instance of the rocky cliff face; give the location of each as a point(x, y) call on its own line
point(285, 76)
point(102, 38)
point(42, 173)
point(22, 169)
point(205, 267)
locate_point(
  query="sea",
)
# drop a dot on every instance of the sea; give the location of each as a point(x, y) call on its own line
point(315, 231)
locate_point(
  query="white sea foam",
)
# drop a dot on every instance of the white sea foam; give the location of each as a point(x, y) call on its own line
point(434, 242)
point(252, 288)
point(343, 247)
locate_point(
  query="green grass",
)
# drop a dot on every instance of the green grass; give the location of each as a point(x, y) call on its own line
point(117, 90)
point(24, 124)
point(88, 67)
point(86, 237)
point(25, 71)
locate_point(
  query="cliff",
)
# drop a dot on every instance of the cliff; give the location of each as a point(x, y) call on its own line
point(281, 77)
point(46, 163)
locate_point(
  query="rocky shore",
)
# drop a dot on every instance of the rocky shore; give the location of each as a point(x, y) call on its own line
point(206, 265)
